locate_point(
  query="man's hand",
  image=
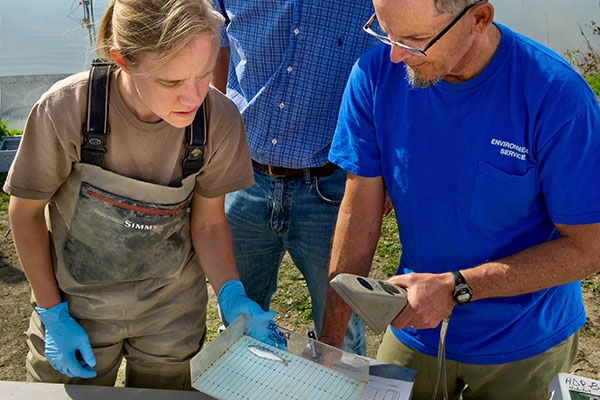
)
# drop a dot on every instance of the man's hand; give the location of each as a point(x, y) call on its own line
point(64, 339)
point(429, 299)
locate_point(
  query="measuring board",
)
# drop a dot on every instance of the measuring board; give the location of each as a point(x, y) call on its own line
point(240, 374)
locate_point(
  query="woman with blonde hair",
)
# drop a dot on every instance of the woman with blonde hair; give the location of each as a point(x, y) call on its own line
point(117, 203)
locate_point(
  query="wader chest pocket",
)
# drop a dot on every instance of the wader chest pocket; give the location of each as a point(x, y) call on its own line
point(117, 239)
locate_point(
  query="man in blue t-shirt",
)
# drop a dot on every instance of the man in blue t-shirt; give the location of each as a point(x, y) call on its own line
point(488, 144)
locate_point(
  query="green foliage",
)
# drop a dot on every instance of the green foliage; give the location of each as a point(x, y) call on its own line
point(292, 297)
point(3, 196)
point(4, 131)
point(389, 248)
point(594, 82)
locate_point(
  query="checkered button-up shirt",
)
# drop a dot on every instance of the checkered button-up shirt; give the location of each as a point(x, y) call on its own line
point(289, 64)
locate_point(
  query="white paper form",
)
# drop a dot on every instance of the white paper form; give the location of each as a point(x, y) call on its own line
point(388, 382)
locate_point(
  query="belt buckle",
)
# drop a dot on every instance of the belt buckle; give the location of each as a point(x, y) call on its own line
point(274, 175)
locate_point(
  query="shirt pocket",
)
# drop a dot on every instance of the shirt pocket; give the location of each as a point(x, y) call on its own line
point(501, 200)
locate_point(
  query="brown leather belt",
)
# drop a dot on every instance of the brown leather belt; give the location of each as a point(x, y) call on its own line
point(282, 172)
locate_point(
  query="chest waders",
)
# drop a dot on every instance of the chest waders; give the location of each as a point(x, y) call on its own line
point(112, 231)
point(123, 258)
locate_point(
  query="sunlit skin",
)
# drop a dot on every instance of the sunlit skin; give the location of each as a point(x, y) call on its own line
point(461, 54)
point(173, 92)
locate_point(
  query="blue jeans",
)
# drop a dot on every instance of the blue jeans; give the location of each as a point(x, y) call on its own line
point(293, 214)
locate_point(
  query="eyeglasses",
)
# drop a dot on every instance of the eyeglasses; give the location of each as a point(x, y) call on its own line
point(415, 50)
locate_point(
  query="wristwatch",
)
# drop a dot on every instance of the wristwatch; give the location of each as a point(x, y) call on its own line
point(462, 292)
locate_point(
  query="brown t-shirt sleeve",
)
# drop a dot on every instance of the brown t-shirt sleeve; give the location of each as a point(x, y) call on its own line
point(151, 152)
point(228, 166)
point(46, 152)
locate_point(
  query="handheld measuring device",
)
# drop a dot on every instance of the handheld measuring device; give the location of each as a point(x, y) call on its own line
point(377, 302)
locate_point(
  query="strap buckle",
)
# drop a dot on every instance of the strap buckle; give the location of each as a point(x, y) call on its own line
point(273, 174)
point(95, 128)
point(195, 140)
point(196, 153)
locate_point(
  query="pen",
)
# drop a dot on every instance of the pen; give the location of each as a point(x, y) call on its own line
point(311, 344)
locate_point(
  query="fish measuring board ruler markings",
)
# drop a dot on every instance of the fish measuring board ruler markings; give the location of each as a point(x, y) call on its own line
point(251, 369)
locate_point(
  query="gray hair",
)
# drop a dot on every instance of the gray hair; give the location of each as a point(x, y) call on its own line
point(451, 6)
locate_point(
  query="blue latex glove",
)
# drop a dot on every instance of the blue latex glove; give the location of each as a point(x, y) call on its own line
point(64, 337)
point(259, 323)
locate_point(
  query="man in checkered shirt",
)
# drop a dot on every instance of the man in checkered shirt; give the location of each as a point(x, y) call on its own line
point(285, 65)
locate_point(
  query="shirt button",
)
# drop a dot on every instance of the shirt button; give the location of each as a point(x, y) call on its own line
point(274, 141)
point(281, 105)
point(290, 69)
point(296, 31)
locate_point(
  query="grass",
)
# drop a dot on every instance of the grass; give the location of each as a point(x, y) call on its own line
point(292, 297)
point(389, 249)
point(295, 294)
point(592, 283)
point(587, 329)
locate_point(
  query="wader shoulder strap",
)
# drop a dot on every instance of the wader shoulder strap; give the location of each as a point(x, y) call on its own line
point(95, 128)
point(195, 140)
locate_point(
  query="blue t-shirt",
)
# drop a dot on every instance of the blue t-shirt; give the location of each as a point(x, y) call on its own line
point(478, 171)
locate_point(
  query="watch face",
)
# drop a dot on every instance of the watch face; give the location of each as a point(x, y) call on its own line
point(462, 294)
point(463, 297)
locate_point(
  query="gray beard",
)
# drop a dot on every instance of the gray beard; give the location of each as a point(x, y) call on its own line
point(416, 82)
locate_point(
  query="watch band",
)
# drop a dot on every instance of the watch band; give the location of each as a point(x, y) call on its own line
point(458, 278)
